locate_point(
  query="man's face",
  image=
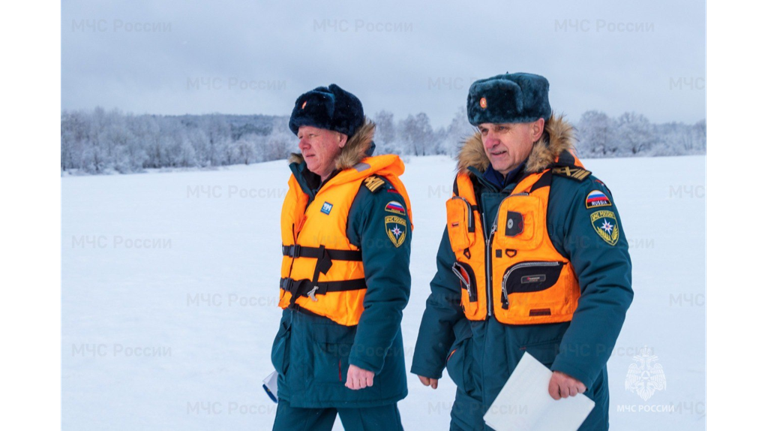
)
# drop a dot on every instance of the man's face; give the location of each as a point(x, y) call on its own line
point(509, 144)
point(320, 148)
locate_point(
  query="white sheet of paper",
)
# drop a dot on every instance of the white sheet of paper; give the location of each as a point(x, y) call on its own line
point(524, 403)
point(270, 385)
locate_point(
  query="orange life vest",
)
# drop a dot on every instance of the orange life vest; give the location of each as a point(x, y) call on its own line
point(530, 281)
point(322, 272)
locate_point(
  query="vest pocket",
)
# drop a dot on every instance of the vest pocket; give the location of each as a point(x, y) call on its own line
point(467, 280)
point(520, 223)
point(531, 276)
point(536, 292)
point(461, 223)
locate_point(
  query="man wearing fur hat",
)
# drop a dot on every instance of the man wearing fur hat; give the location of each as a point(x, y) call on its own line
point(344, 282)
point(533, 259)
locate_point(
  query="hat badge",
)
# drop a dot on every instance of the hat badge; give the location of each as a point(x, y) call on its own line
point(303, 105)
point(483, 103)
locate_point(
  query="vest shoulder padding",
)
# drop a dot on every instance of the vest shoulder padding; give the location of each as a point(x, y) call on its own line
point(374, 183)
point(572, 172)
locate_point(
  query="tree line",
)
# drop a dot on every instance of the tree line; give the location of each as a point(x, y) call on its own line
point(103, 142)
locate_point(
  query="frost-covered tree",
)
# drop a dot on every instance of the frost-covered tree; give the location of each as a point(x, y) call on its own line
point(635, 134)
point(278, 144)
point(103, 142)
point(386, 134)
point(218, 135)
point(595, 133)
point(456, 133)
point(246, 148)
point(699, 131)
point(415, 133)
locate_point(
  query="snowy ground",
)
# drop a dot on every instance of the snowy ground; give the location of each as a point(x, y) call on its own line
point(170, 299)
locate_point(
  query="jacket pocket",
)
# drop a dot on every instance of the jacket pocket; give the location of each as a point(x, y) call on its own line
point(331, 356)
point(544, 352)
point(281, 348)
point(460, 357)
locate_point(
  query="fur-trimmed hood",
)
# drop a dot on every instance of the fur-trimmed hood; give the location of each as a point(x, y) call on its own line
point(544, 153)
point(354, 151)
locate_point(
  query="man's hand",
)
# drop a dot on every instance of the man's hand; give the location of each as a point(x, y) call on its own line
point(358, 378)
point(562, 385)
point(426, 381)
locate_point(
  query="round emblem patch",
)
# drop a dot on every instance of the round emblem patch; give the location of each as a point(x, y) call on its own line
point(483, 103)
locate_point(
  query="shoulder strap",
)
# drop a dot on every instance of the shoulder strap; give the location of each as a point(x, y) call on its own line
point(567, 165)
point(374, 183)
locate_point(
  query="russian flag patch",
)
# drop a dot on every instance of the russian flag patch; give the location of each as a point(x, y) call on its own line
point(395, 207)
point(596, 198)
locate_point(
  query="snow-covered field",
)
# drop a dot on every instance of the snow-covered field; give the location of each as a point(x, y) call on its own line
point(169, 300)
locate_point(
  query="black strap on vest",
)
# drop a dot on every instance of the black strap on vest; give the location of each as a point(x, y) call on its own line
point(325, 258)
point(309, 289)
point(544, 181)
point(315, 252)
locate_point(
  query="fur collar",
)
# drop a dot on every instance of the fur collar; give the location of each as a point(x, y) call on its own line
point(353, 152)
point(543, 154)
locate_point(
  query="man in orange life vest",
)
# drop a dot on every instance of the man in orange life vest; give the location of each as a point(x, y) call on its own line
point(533, 259)
point(345, 280)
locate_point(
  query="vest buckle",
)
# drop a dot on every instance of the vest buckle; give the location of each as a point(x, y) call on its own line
point(294, 251)
point(311, 293)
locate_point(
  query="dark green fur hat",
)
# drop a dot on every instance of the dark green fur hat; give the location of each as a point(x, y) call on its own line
point(509, 98)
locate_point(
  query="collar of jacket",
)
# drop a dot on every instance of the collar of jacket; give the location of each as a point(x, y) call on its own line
point(557, 137)
point(359, 146)
point(508, 181)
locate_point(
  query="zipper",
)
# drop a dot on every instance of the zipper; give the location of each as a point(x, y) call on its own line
point(468, 284)
point(488, 265)
point(504, 293)
point(489, 258)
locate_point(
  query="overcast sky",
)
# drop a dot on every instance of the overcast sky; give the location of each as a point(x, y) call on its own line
point(257, 57)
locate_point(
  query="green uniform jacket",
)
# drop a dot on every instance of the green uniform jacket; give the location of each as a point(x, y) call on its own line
point(488, 351)
point(312, 353)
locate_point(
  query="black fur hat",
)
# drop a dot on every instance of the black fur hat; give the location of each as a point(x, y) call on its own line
point(329, 108)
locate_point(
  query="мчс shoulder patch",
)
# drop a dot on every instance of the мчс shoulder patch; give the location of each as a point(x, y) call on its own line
point(596, 198)
point(577, 174)
point(396, 229)
point(606, 226)
point(373, 183)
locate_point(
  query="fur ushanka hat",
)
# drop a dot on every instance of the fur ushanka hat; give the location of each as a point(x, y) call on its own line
point(329, 108)
point(509, 98)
